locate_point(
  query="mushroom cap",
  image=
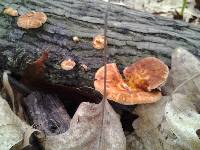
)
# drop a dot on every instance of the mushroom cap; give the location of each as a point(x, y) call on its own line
point(10, 11)
point(76, 39)
point(32, 20)
point(148, 73)
point(119, 91)
point(85, 67)
point(67, 64)
point(98, 42)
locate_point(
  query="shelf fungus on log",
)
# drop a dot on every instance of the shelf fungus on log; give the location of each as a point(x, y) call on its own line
point(140, 85)
point(32, 20)
point(99, 42)
point(130, 37)
point(148, 73)
point(68, 64)
point(10, 11)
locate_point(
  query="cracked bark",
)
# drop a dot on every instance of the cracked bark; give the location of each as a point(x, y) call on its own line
point(47, 113)
point(131, 34)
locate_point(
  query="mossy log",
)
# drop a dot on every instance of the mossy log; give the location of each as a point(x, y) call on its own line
point(131, 34)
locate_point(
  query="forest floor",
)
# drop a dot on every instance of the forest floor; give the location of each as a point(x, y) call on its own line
point(187, 10)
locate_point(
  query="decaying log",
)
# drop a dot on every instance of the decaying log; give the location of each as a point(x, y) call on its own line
point(47, 113)
point(131, 34)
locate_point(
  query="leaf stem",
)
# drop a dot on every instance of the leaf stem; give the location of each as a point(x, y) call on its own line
point(183, 7)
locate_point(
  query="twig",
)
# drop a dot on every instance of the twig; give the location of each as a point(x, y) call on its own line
point(105, 73)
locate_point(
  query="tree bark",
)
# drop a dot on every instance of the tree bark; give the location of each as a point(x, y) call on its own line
point(131, 34)
point(47, 113)
point(44, 110)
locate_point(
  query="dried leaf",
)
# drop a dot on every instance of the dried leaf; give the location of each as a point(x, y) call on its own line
point(182, 113)
point(34, 73)
point(148, 127)
point(185, 66)
point(14, 133)
point(183, 120)
point(85, 130)
point(8, 88)
point(12, 129)
point(174, 122)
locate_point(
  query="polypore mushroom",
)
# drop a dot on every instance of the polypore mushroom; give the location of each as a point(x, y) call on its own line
point(134, 90)
point(68, 64)
point(10, 11)
point(148, 73)
point(98, 42)
point(32, 20)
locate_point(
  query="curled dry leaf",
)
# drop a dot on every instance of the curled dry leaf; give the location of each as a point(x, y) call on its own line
point(32, 20)
point(10, 11)
point(85, 130)
point(98, 42)
point(8, 88)
point(14, 133)
point(183, 120)
point(35, 71)
point(68, 64)
point(173, 122)
point(141, 79)
point(12, 129)
point(147, 128)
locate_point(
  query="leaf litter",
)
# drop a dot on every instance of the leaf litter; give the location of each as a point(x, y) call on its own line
point(14, 133)
point(174, 119)
point(85, 130)
point(173, 122)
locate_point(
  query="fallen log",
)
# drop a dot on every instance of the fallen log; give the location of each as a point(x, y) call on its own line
point(131, 34)
point(47, 113)
point(44, 111)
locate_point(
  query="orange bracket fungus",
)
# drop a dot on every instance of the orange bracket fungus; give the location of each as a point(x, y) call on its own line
point(140, 85)
point(10, 11)
point(98, 42)
point(32, 20)
point(68, 64)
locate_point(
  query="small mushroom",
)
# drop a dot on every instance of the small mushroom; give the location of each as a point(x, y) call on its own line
point(10, 11)
point(84, 67)
point(98, 42)
point(135, 89)
point(76, 39)
point(68, 64)
point(32, 20)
